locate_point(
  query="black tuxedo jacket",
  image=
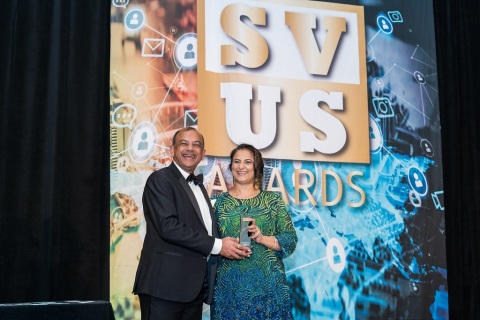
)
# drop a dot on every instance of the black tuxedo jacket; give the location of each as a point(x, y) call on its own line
point(173, 263)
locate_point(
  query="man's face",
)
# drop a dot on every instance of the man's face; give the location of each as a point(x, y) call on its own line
point(188, 150)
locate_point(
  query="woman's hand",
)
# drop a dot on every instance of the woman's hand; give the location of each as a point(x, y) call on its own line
point(256, 233)
point(270, 242)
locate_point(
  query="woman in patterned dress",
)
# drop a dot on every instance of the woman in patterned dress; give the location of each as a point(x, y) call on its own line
point(255, 287)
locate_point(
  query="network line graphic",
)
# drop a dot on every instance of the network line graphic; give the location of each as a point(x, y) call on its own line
point(371, 236)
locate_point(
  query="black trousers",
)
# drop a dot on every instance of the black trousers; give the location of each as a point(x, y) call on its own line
point(159, 309)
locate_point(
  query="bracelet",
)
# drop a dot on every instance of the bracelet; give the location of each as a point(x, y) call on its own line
point(275, 242)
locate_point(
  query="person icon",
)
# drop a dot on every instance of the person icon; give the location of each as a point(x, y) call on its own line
point(336, 257)
point(419, 77)
point(427, 148)
point(189, 54)
point(143, 145)
point(414, 288)
point(384, 25)
point(418, 182)
point(134, 20)
point(139, 91)
point(372, 134)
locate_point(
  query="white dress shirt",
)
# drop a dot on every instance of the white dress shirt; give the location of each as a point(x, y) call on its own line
point(202, 202)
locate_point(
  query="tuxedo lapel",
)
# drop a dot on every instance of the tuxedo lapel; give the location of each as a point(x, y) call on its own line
point(188, 191)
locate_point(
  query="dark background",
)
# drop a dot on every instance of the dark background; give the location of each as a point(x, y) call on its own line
point(54, 142)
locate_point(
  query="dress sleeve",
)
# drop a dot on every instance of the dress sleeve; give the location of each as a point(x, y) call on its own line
point(285, 232)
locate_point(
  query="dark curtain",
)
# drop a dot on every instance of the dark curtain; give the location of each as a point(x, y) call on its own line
point(54, 128)
point(458, 60)
point(54, 180)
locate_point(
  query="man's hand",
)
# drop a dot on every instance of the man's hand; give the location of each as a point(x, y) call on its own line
point(232, 249)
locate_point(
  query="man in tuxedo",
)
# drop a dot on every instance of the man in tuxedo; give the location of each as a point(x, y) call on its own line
point(177, 265)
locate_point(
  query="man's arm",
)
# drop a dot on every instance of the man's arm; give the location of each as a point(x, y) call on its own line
point(162, 211)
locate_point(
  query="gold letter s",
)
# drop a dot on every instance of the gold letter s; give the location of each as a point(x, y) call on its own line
point(257, 47)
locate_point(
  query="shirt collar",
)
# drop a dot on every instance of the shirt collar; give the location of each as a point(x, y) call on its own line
point(184, 173)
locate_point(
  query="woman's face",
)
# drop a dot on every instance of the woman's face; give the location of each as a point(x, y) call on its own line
point(243, 169)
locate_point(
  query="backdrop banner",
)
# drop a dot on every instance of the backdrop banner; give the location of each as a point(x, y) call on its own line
point(340, 97)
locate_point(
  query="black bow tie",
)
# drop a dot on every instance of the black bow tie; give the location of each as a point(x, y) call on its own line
point(195, 179)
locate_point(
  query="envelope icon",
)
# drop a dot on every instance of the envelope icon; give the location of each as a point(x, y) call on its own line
point(153, 47)
point(190, 118)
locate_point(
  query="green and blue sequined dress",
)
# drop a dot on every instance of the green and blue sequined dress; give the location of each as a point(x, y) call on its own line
point(256, 287)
